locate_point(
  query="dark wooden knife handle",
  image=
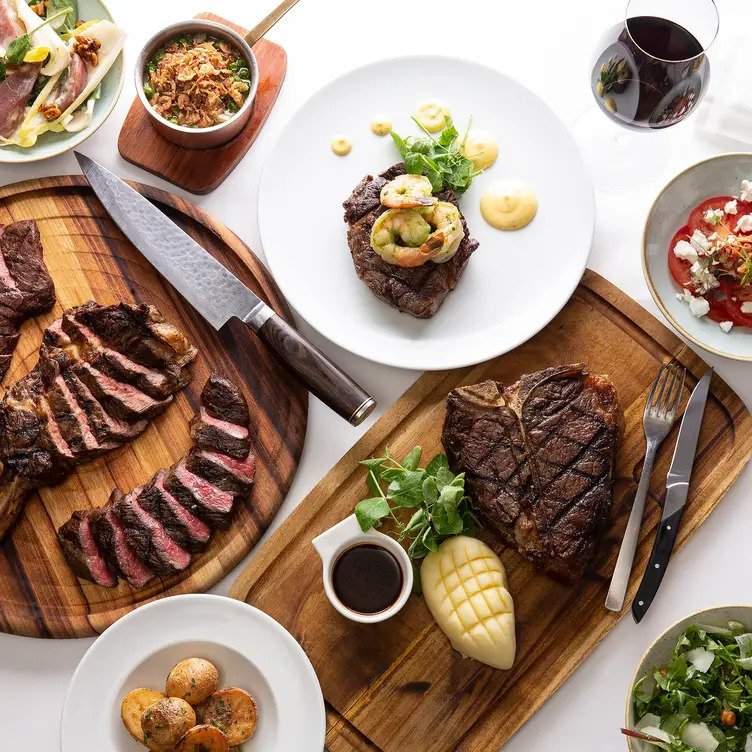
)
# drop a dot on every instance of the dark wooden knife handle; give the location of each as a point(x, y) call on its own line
point(323, 379)
point(659, 558)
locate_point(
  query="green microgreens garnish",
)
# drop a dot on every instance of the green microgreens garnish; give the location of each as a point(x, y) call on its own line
point(434, 493)
point(439, 158)
point(17, 49)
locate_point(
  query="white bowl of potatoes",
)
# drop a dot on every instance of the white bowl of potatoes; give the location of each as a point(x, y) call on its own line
point(194, 672)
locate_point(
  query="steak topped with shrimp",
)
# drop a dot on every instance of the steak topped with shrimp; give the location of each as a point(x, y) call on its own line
point(409, 247)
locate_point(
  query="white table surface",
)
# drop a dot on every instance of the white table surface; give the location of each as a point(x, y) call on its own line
point(547, 45)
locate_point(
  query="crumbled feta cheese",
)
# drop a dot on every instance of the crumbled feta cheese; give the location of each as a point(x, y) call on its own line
point(747, 307)
point(745, 192)
point(727, 326)
point(686, 251)
point(744, 224)
point(713, 216)
point(703, 276)
point(731, 207)
point(698, 307)
point(699, 241)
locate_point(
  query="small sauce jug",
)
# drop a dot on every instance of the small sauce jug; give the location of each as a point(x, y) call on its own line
point(346, 535)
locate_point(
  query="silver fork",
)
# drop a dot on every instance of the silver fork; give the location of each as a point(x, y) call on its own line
point(660, 413)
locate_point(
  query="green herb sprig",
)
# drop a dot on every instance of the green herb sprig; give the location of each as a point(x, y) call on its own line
point(439, 158)
point(17, 49)
point(68, 24)
point(435, 493)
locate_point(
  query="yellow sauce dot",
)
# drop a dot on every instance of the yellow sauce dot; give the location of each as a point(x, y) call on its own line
point(341, 146)
point(481, 149)
point(508, 205)
point(432, 115)
point(381, 126)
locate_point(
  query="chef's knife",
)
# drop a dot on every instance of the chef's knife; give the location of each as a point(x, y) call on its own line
point(217, 294)
point(677, 487)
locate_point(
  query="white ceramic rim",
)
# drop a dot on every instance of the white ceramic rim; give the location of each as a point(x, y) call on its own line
point(646, 272)
point(86, 132)
point(226, 602)
point(643, 657)
point(491, 352)
point(175, 28)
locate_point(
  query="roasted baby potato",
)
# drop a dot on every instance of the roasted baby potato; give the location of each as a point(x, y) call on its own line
point(193, 680)
point(132, 708)
point(232, 711)
point(203, 739)
point(165, 722)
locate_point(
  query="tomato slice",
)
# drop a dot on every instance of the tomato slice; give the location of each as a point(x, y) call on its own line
point(679, 268)
point(697, 220)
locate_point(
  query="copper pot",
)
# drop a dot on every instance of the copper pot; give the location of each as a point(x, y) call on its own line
point(198, 138)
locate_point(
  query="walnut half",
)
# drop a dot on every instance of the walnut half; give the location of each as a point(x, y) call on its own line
point(50, 111)
point(87, 49)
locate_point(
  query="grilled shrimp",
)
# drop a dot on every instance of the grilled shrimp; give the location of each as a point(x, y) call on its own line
point(410, 237)
point(448, 232)
point(407, 192)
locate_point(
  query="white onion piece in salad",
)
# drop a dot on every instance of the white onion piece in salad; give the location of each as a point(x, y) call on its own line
point(47, 37)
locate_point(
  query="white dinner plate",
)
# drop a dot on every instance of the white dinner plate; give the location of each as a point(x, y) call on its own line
point(513, 285)
point(712, 177)
point(251, 650)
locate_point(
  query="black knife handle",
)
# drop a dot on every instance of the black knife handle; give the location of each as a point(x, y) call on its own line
point(659, 558)
point(331, 385)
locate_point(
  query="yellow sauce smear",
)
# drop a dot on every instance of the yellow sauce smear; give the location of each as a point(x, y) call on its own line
point(481, 149)
point(341, 146)
point(432, 114)
point(381, 126)
point(508, 205)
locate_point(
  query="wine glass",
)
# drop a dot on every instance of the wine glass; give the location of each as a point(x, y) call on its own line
point(650, 72)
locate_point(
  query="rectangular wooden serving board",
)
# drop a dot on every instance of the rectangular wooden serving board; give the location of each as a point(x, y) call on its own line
point(398, 686)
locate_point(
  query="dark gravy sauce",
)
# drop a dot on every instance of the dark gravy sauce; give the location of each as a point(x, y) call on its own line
point(367, 578)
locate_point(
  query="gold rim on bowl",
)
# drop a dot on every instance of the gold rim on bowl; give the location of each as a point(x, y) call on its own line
point(646, 272)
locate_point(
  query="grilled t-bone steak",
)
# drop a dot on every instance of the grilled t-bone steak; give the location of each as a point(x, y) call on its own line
point(102, 373)
point(419, 290)
point(26, 288)
point(155, 529)
point(538, 457)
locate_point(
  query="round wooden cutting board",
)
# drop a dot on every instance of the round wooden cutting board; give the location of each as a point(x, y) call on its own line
point(90, 259)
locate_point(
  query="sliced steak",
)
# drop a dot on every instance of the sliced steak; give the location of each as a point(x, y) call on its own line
point(538, 459)
point(26, 288)
point(420, 290)
point(199, 496)
point(187, 530)
point(226, 473)
point(147, 535)
point(109, 534)
point(222, 422)
point(82, 553)
point(123, 401)
point(223, 401)
point(66, 411)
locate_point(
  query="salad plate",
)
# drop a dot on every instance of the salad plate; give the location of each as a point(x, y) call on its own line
point(514, 283)
point(105, 96)
point(718, 176)
point(253, 651)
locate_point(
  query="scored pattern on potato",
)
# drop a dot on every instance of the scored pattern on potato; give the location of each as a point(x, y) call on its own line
point(465, 588)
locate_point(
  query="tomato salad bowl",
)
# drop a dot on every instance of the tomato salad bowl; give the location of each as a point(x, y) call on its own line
point(697, 254)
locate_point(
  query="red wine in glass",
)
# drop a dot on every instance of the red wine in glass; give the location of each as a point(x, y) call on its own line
point(651, 72)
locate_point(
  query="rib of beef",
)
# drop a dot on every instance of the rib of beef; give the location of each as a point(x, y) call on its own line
point(71, 408)
point(26, 288)
point(156, 528)
point(420, 290)
point(538, 457)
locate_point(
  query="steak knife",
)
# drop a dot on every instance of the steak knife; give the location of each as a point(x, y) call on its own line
point(217, 294)
point(677, 487)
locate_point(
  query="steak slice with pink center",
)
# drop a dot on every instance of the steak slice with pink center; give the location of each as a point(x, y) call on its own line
point(82, 553)
point(199, 497)
point(227, 473)
point(228, 438)
point(148, 537)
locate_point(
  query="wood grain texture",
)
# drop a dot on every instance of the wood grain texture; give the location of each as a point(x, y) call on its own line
point(202, 170)
point(398, 686)
point(89, 258)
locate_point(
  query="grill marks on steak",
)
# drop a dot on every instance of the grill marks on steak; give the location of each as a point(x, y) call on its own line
point(538, 457)
point(26, 288)
point(419, 291)
point(65, 412)
point(155, 529)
